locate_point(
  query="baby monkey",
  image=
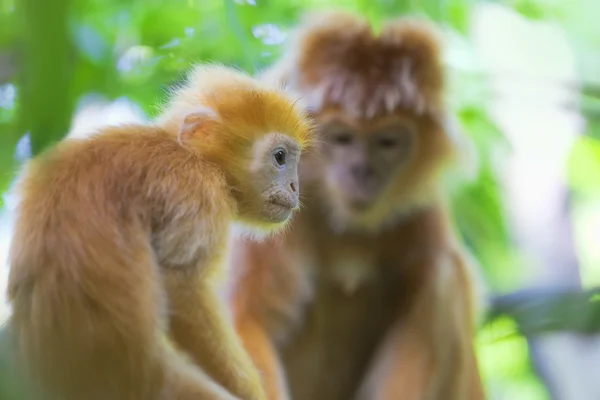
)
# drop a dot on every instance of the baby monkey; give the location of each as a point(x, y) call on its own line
point(120, 236)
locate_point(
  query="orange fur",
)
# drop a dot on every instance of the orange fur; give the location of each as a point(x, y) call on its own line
point(119, 237)
point(377, 304)
point(337, 61)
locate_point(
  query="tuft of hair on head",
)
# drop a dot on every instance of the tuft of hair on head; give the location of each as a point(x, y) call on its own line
point(336, 59)
point(234, 108)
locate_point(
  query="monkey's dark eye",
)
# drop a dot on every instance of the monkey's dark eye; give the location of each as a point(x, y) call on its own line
point(342, 138)
point(387, 142)
point(280, 157)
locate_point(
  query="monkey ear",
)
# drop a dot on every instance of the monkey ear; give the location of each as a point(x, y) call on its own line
point(200, 122)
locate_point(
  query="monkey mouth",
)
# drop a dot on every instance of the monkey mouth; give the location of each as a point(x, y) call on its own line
point(279, 206)
point(286, 204)
point(360, 204)
point(282, 200)
point(359, 198)
point(278, 211)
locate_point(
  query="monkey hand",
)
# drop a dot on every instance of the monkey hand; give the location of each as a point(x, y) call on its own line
point(250, 384)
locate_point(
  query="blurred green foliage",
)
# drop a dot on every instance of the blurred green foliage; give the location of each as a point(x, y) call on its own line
point(54, 52)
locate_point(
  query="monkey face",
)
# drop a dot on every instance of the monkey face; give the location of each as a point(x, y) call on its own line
point(274, 177)
point(362, 159)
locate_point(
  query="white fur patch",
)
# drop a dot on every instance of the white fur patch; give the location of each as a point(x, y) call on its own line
point(351, 271)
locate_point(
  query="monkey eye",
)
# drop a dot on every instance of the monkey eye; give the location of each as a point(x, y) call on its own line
point(342, 138)
point(279, 157)
point(387, 142)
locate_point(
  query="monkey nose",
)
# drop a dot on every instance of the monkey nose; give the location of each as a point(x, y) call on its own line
point(362, 172)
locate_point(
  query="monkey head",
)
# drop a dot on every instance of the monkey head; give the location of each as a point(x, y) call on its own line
point(255, 133)
point(273, 169)
point(361, 161)
point(377, 100)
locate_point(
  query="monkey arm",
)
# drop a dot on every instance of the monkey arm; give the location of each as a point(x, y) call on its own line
point(429, 354)
point(267, 289)
point(199, 326)
point(259, 345)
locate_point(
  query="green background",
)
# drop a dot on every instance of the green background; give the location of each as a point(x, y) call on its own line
point(54, 52)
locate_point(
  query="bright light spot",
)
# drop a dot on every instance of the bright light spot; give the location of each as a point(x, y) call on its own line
point(527, 65)
point(8, 93)
point(248, 2)
point(270, 34)
point(91, 43)
point(94, 112)
point(173, 43)
point(134, 57)
point(23, 150)
point(189, 31)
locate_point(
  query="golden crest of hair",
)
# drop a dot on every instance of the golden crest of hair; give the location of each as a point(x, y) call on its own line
point(245, 106)
point(338, 59)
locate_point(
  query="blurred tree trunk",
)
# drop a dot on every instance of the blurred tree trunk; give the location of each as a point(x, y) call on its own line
point(529, 62)
point(46, 73)
point(567, 362)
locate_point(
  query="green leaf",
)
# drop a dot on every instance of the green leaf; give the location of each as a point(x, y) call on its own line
point(545, 310)
point(584, 166)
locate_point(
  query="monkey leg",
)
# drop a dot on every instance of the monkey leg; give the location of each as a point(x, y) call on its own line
point(430, 355)
point(187, 382)
point(200, 327)
point(257, 342)
point(90, 326)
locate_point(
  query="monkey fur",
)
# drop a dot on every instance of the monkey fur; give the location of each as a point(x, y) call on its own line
point(369, 294)
point(120, 236)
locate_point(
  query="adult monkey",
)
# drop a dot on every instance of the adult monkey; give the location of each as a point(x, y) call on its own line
point(368, 295)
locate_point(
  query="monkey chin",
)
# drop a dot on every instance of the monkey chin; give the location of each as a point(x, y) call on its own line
point(358, 204)
point(277, 213)
point(357, 198)
point(274, 219)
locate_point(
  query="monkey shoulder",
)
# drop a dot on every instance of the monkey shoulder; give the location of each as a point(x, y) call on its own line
point(125, 173)
point(185, 201)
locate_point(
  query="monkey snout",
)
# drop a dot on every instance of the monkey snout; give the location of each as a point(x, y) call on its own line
point(362, 173)
point(294, 193)
point(286, 199)
point(294, 201)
